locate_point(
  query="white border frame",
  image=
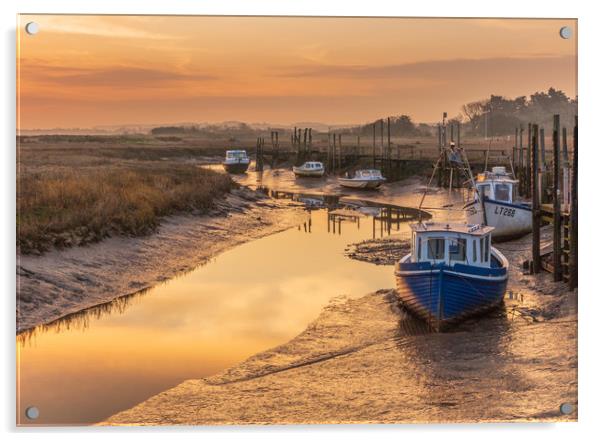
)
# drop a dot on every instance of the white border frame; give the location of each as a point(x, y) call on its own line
point(590, 162)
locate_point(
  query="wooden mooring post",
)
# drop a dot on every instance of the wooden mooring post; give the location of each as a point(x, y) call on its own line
point(536, 214)
point(562, 261)
point(374, 145)
point(573, 272)
point(543, 184)
point(259, 155)
point(557, 224)
point(528, 165)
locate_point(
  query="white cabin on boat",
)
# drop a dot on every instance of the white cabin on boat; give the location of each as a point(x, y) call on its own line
point(440, 242)
point(497, 185)
point(313, 165)
point(236, 155)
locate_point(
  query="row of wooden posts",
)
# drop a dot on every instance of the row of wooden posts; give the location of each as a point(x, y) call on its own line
point(336, 156)
point(558, 208)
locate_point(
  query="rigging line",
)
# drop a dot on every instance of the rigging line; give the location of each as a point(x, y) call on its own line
point(430, 180)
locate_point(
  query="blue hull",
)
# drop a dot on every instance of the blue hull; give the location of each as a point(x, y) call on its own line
point(443, 295)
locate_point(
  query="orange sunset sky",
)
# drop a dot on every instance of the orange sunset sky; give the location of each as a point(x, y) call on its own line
point(84, 71)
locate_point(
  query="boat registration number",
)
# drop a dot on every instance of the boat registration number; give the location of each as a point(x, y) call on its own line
point(504, 211)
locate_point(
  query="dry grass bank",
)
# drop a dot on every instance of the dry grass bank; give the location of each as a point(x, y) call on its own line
point(73, 206)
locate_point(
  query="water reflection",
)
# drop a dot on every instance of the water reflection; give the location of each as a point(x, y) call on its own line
point(90, 365)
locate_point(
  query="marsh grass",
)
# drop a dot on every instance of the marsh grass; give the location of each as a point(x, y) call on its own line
point(65, 207)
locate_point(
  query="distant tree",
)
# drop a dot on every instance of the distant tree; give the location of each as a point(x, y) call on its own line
point(499, 115)
point(473, 111)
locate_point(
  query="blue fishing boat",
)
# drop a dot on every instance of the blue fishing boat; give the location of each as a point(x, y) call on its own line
point(452, 273)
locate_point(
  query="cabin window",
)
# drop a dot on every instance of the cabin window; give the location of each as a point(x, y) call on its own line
point(457, 249)
point(502, 192)
point(482, 240)
point(484, 191)
point(487, 249)
point(419, 251)
point(474, 250)
point(436, 248)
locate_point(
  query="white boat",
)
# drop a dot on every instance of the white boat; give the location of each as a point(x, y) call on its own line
point(368, 179)
point(496, 204)
point(236, 161)
point(310, 169)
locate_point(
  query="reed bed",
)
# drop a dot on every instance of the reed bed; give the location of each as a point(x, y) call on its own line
point(66, 206)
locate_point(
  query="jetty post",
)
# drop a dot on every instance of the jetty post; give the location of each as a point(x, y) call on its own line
point(565, 170)
point(440, 142)
point(388, 146)
point(458, 140)
point(521, 159)
point(536, 213)
point(543, 184)
point(515, 150)
point(573, 272)
point(374, 145)
point(340, 152)
point(528, 167)
point(557, 223)
point(259, 155)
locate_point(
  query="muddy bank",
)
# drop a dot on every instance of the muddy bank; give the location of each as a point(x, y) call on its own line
point(62, 282)
point(367, 361)
point(385, 251)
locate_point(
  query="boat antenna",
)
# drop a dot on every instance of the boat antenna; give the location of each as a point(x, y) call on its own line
point(511, 167)
point(487, 155)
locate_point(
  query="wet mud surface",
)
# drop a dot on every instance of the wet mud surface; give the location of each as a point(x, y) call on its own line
point(367, 360)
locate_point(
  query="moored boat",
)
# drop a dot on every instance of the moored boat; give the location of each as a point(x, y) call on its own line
point(452, 273)
point(236, 161)
point(496, 204)
point(310, 169)
point(363, 179)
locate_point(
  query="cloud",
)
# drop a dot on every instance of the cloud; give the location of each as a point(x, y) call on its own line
point(100, 26)
point(425, 69)
point(116, 76)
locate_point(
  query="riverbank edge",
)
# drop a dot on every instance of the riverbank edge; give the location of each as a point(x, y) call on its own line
point(63, 282)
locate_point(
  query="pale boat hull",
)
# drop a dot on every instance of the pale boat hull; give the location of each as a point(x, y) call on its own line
point(305, 173)
point(444, 295)
point(236, 167)
point(510, 221)
point(361, 183)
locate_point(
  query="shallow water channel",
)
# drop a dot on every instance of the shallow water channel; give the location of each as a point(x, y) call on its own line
point(84, 368)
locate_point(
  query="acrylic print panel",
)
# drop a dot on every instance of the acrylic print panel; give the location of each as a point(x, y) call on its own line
point(292, 220)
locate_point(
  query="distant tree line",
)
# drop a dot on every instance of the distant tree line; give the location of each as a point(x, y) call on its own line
point(494, 116)
point(401, 126)
point(498, 115)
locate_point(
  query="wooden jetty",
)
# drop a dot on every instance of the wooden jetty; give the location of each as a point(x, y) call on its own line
point(554, 204)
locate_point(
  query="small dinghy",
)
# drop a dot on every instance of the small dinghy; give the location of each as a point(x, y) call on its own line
point(310, 169)
point(368, 179)
point(495, 203)
point(452, 273)
point(236, 161)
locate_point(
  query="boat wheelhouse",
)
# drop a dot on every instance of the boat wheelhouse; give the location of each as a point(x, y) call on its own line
point(452, 273)
point(310, 169)
point(495, 203)
point(236, 161)
point(363, 179)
